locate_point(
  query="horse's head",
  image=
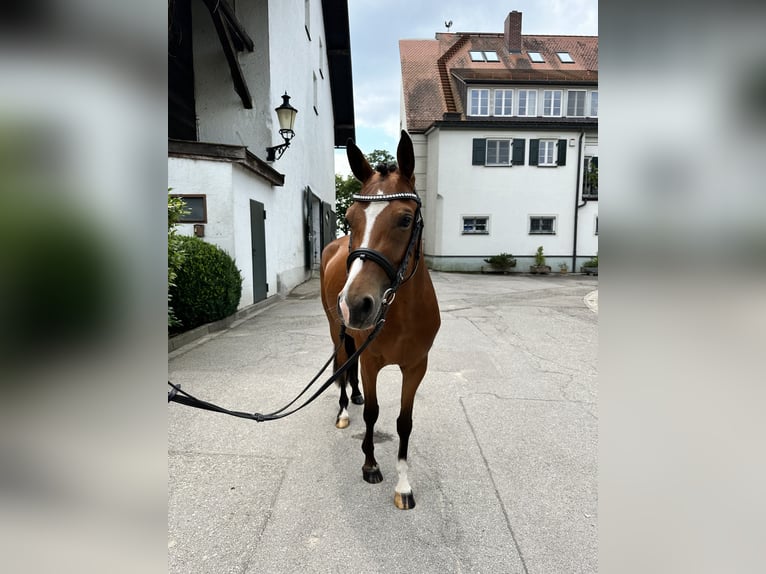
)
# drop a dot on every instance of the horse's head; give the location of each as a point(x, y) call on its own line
point(385, 227)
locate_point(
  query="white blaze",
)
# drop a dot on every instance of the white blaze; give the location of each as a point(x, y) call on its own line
point(371, 214)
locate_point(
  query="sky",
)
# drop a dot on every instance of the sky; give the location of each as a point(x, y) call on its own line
point(376, 28)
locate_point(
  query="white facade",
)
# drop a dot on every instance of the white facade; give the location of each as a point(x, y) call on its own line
point(508, 197)
point(286, 59)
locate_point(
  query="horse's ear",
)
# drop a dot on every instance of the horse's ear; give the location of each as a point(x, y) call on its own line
point(405, 156)
point(358, 163)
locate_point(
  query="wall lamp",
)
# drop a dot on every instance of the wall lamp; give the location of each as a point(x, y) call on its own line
point(286, 116)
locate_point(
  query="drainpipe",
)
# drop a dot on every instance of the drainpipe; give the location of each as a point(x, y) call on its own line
point(577, 206)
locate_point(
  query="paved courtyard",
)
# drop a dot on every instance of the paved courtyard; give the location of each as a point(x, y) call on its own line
point(503, 453)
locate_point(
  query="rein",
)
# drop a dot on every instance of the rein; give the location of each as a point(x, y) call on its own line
point(176, 394)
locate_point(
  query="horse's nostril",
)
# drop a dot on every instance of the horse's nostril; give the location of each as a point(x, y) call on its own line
point(366, 306)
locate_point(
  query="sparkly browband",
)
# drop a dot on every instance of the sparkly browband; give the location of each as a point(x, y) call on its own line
point(388, 197)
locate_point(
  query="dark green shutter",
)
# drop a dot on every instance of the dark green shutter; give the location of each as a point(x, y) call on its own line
point(562, 159)
point(479, 151)
point(518, 151)
point(534, 151)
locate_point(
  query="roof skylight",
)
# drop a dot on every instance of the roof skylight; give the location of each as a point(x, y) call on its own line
point(536, 56)
point(484, 56)
point(565, 57)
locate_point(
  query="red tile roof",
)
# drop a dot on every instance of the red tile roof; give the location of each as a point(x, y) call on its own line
point(426, 99)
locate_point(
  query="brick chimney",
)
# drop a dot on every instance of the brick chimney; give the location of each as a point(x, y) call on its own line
point(513, 32)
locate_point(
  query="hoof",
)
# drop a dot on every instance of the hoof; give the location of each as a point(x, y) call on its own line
point(357, 399)
point(372, 475)
point(341, 423)
point(404, 501)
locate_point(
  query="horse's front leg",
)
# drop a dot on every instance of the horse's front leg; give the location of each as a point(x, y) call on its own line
point(370, 471)
point(351, 376)
point(411, 377)
point(342, 421)
point(353, 373)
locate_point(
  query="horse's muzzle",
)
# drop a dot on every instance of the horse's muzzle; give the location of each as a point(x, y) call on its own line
point(358, 311)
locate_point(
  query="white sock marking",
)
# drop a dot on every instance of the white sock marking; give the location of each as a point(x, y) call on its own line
point(403, 486)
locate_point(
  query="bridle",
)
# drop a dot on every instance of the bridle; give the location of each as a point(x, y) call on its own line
point(396, 277)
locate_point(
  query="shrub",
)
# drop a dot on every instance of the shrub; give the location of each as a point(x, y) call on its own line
point(208, 284)
point(539, 257)
point(501, 261)
point(176, 209)
point(592, 263)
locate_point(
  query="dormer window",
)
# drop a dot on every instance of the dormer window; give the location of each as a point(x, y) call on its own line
point(478, 102)
point(483, 56)
point(536, 57)
point(565, 57)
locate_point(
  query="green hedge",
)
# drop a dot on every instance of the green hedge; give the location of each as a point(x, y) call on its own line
point(208, 285)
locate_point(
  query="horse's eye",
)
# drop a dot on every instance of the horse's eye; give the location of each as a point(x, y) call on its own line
point(405, 221)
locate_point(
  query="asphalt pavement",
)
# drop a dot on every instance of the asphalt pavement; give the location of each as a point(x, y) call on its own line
point(502, 457)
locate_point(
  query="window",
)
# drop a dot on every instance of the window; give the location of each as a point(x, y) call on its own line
point(565, 57)
point(548, 152)
point(527, 102)
point(546, 155)
point(503, 102)
point(593, 105)
point(542, 225)
point(498, 152)
point(474, 225)
point(483, 56)
point(197, 207)
point(478, 102)
point(552, 103)
point(576, 103)
point(535, 57)
point(590, 178)
point(596, 231)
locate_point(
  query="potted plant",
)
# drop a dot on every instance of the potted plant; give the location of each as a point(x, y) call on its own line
point(540, 267)
point(563, 269)
point(590, 267)
point(500, 263)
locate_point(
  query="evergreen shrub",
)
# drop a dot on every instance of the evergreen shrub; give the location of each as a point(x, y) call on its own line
point(208, 285)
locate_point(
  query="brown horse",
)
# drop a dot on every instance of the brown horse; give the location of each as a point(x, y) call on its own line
point(361, 275)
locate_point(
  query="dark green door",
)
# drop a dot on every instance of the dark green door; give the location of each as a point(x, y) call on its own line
point(328, 224)
point(258, 240)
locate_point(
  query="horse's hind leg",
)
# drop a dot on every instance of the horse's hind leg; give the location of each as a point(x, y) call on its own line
point(411, 377)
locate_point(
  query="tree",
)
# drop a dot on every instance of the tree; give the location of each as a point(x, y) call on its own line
point(345, 187)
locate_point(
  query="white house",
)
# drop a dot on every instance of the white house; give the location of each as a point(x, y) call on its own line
point(505, 128)
point(229, 66)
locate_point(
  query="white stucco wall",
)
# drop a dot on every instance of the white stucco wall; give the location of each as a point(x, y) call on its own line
point(284, 60)
point(309, 161)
